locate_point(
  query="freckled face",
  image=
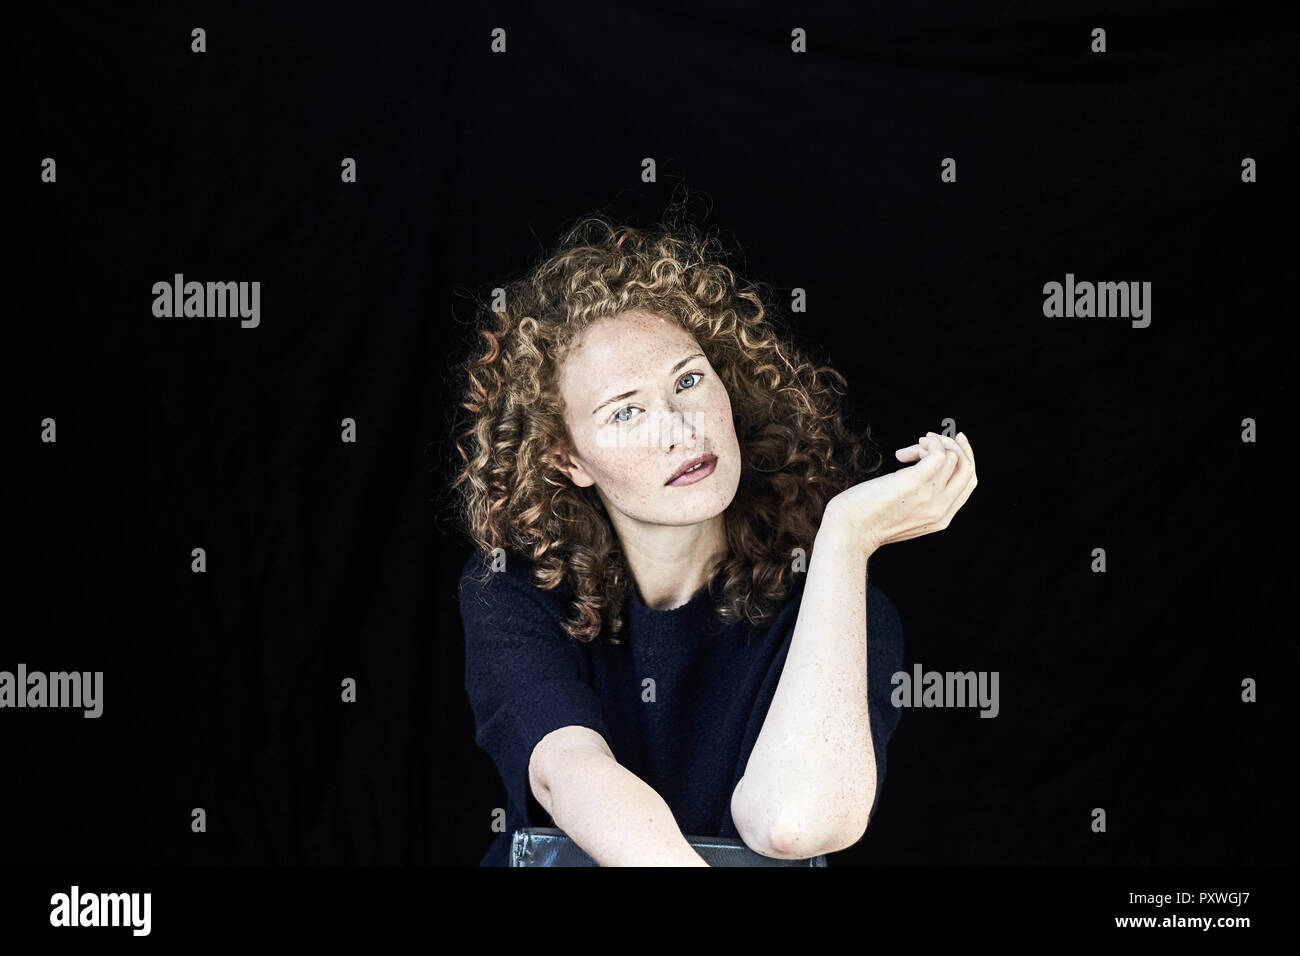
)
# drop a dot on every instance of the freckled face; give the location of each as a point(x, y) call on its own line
point(629, 445)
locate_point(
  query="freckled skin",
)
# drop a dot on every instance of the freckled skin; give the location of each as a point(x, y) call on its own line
point(669, 533)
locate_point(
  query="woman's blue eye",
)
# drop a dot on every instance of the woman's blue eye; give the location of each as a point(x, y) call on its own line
point(617, 419)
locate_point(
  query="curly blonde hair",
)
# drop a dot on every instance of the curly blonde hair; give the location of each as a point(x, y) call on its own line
point(797, 451)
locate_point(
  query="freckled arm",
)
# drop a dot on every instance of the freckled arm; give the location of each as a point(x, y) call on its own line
point(810, 781)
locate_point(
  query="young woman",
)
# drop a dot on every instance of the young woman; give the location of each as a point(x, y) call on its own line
point(668, 624)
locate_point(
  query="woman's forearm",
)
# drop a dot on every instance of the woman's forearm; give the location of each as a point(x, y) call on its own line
point(612, 814)
point(810, 781)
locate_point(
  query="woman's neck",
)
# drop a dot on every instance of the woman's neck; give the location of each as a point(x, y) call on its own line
point(669, 564)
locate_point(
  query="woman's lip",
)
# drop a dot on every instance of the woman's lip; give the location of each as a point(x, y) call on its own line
point(710, 462)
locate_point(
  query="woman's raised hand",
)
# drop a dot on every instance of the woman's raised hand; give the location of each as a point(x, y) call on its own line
point(909, 502)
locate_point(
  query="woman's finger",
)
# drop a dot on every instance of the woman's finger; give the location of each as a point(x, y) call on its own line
point(945, 449)
point(967, 467)
point(953, 444)
point(959, 501)
point(964, 464)
point(962, 492)
point(971, 477)
point(909, 453)
point(923, 448)
point(932, 451)
point(970, 452)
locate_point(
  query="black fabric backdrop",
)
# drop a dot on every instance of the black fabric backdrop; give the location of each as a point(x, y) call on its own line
point(328, 560)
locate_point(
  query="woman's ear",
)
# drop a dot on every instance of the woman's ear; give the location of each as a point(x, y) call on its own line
point(564, 460)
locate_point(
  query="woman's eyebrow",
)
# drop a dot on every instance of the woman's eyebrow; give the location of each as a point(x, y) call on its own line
point(616, 398)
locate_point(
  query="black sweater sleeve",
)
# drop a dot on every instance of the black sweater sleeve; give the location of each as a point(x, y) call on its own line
point(884, 659)
point(523, 674)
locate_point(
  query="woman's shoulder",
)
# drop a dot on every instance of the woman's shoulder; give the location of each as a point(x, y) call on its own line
point(505, 578)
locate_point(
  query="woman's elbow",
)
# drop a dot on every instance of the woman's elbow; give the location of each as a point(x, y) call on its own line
point(798, 839)
point(789, 836)
point(759, 829)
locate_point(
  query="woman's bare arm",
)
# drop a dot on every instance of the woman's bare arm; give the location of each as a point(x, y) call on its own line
point(610, 812)
point(810, 780)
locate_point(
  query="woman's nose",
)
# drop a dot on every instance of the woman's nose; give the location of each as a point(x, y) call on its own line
point(675, 429)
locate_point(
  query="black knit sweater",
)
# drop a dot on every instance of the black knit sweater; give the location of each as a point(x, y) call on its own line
point(712, 686)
